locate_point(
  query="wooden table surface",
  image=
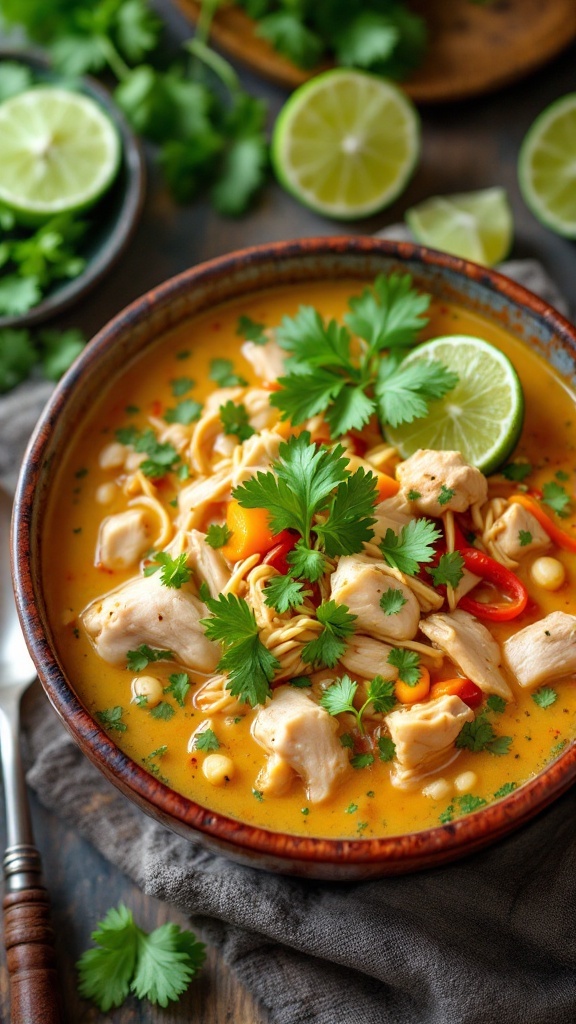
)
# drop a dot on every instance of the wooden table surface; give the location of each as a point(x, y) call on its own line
point(466, 146)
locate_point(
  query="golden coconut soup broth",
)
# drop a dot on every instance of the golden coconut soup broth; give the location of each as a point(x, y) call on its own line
point(364, 802)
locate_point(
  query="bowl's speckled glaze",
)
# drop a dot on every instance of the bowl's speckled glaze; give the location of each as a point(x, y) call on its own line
point(135, 328)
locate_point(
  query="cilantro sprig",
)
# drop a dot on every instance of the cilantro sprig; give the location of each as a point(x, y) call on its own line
point(247, 661)
point(173, 571)
point(157, 966)
point(338, 698)
point(479, 735)
point(411, 547)
point(343, 372)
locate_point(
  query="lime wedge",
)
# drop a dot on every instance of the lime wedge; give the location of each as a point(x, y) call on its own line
point(346, 143)
point(481, 417)
point(59, 152)
point(476, 226)
point(547, 166)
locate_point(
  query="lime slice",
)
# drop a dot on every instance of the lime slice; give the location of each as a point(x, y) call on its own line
point(59, 152)
point(481, 417)
point(476, 226)
point(346, 143)
point(547, 166)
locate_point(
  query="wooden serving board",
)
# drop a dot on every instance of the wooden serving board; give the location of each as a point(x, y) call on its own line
point(473, 48)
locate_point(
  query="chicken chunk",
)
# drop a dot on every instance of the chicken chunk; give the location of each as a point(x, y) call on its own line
point(391, 514)
point(267, 360)
point(443, 482)
point(470, 646)
point(424, 737)
point(517, 533)
point(367, 658)
point(360, 583)
point(144, 611)
point(297, 731)
point(123, 538)
point(207, 563)
point(544, 651)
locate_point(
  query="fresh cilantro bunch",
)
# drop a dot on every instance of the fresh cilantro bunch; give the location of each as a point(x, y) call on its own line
point(21, 350)
point(349, 372)
point(310, 491)
point(210, 133)
point(381, 36)
point(157, 966)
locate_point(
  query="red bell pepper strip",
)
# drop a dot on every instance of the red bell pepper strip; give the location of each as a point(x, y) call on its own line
point(493, 572)
point(556, 534)
point(276, 556)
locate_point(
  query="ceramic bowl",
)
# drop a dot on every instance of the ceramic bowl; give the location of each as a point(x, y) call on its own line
point(133, 330)
point(111, 223)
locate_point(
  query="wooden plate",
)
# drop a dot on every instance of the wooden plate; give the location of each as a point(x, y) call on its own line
point(473, 48)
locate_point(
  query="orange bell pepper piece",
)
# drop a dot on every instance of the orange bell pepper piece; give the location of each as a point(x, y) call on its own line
point(413, 694)
point(464, 688)
point(387, 486)
point(251, 533)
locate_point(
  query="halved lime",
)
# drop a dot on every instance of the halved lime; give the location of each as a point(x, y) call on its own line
point(481, 417)
point(346, 143)
point(547, 166)
point(59, 152)
point(476, 226)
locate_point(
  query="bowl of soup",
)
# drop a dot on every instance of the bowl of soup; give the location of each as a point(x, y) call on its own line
point(270, 625)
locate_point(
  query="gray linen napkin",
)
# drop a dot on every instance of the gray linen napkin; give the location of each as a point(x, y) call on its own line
point(487, 939)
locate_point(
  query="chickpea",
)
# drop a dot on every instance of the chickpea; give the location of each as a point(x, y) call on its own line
point(106, 493)
point(438, 789)
point(548, 572)
point(149, 687)
point(112, 456)
point(465, 782)
point(218, 769)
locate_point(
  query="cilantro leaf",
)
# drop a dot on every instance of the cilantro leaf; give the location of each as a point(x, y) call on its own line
point(249, 664)
point(251, 330)
point(206, 740)
point(380, 694)
point(339, 696)
point(404, 390)
point(412, 546)
point(370, 37)
point(59, 350)
point(137, 660)
point(362, 760)
point(173, 571)
point(163, 711)
point(181, 385)
point(390, 314)
point(328, 647)
point(524, 537)
point(479, 735)
point(285, 31)
point(235, 420)
point(350, 515)
point(217, 535)
point(449, 571)
point(517, 471)
point(407, 663)
point(338, 699)
point(18, 294)
point(545, 697)
point(111, 719)
point(179, 687)
point(222, 371)
point(496, 703)
point(17, 357)
point(386, 748)
point(185, 412)
point(303, 394)
point(158, 966)
point(505, 790)
point(307, 563)
point(283, 593)
point(312, 342)
point(556, 497)
point(392, 601)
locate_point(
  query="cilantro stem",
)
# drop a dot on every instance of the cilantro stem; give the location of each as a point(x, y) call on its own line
point(221, 68)
point(117, 65)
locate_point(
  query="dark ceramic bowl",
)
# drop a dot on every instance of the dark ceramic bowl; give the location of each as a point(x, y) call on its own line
point(112, 222)
point(134, 330)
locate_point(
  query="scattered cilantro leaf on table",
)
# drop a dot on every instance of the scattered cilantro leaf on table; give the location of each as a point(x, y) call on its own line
point(157, 966)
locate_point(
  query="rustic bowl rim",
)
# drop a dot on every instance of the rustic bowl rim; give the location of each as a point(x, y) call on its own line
point(386, 855)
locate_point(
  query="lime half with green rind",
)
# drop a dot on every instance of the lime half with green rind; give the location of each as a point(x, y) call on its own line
point(481, 417)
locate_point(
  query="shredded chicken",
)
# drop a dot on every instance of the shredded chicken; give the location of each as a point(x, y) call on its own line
point(367, 657)
point(297, 731)
point(391, 514)
point(517, 533)
point(267, 360)
point(144, 611)
point(470, 646)
point(207, 562)
point(435, 482)
point(123, 538)
point(424, 736)
point(544, 651)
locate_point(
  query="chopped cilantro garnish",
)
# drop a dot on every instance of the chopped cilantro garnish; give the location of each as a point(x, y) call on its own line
point(173, 571)
point(206, 740)
point(330, 644)
point(407, 663)
point(479, 735)
point(556, 497)
point(300, 682)
point(505, 790)
point(412, 546)
point(413, 495)
point(351, 809)
point(222, 371)
point(524, 538)
point(164, 711)
point(496, 703)
point(251, 330)
point(186, 412)
point(517, 471)
point(347, 740)
point(362, 760)
point(217, 535)
point(162, 458)
point(338, 699)
point(179, 687)
point(545, 697)
point(449, 571)
point(392, 601)
point(181, 385)
point(386, 748)
point(284, 592)
point(469, 803)
point(235, 420)
point(137, 660)
point(111, 719)
point(446, 493)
